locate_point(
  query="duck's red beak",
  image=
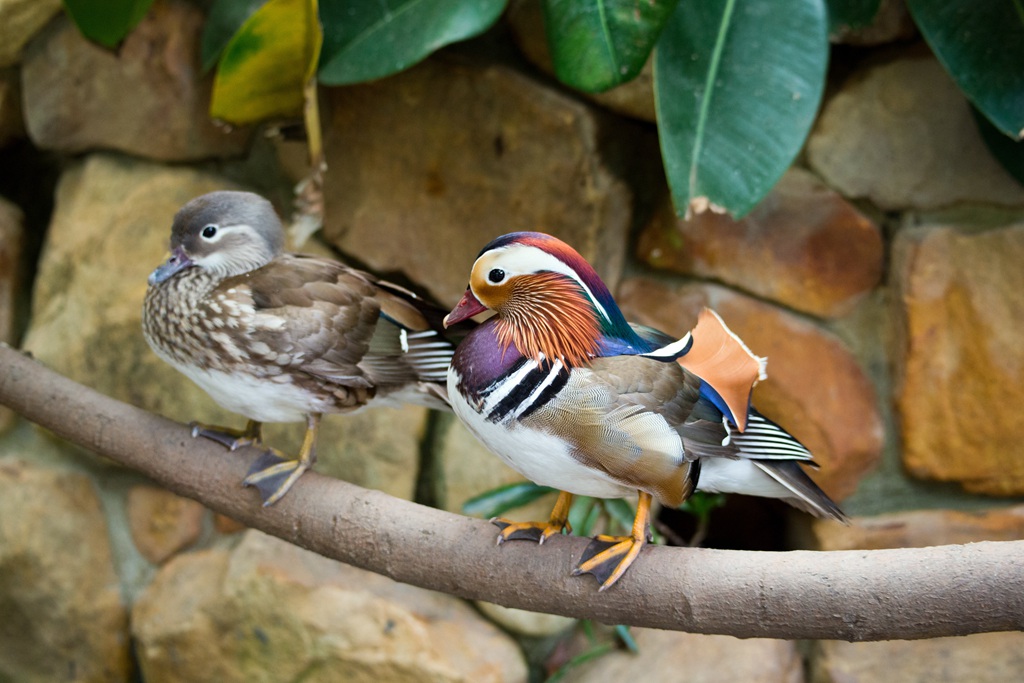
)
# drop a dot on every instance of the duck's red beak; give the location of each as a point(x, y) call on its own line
point(467, 307)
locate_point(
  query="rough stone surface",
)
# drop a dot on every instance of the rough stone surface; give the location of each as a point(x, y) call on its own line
point(492, 152)
point(12, 126)
point(146, 99)
point(803, 245)
point(903, 136)
point(979, 658)
point(19, 21)
point(634, 98)
point(695, 658)
point(525, 623)
point(161, 522)
point(378, 448)
point(962, 372)
point(11, 239)
point(922, 528)
point(268, 611)
point(815, 388)
point(59, 595)
point(110, 229)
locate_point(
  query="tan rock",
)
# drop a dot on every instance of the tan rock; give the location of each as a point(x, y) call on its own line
point(19, 21)
point(961, 378)
point(695, 658)
point(815, 388)
point(902, 135)
point(979, 658)
point(922, 528)
point(803, 246)
point(524, 622)
point(161, 522)
point(378, 448)
point(634, 98)
point(62, 612)
point(440, 159)
point(110, 229)
point(270, 611)
point(12, 126)
point(226, 525)
point(76, 92)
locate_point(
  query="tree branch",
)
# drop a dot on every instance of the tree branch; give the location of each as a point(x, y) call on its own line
point(846, 595)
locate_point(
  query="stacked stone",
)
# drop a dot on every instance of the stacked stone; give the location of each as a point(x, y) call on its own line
point(881, 277)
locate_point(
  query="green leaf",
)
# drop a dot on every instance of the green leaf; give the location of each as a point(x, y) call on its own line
point(598, 44)
point(981, 45)
point(700, 504)
point(223, 21)
point(850, 13)
point(368, 40)
point(626, 636)
point(583, 515)
point(106, 22)
point(1007, 151)
point(504, 498)
point(267, 63)
point(737, 84)
point(621, 512)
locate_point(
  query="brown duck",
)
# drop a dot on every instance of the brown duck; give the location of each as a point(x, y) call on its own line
point(280, 337)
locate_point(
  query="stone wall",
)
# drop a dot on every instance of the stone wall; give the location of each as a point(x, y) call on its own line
point(882, 277)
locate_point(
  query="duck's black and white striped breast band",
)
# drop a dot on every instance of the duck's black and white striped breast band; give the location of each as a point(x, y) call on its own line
point(527, 386)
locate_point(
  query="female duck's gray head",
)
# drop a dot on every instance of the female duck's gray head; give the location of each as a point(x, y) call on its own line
point(223, 233)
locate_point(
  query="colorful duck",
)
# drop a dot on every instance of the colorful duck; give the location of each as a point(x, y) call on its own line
point(569, 394)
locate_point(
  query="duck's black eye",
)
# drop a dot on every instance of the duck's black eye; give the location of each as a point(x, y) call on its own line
point(496, 275)
point(209, 231)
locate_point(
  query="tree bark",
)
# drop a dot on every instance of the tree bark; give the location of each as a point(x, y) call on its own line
point(847, 595)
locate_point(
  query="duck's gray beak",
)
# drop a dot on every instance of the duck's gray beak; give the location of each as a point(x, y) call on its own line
point(178, 261)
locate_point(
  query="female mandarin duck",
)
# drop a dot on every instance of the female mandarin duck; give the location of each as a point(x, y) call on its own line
point(572, 396)
point(282, 337)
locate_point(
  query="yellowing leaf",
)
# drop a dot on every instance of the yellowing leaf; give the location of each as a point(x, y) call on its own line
point(266, 64)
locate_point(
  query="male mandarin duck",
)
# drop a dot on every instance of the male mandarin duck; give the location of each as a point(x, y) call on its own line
point(572, 396)
point(281, 337)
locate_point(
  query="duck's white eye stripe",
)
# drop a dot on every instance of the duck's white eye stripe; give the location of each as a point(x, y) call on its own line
point(522, 259)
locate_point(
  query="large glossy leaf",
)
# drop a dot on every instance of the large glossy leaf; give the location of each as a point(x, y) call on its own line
point(500, 500)
point(598, 44)
point(222, 22)
point(106, 22)
point(850, 13)
point(368, 40)
point(737, 85)
point(267, 63)
point(981, 45)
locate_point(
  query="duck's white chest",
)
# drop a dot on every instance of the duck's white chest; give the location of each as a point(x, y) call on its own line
point(265, 399)
point(539, 455)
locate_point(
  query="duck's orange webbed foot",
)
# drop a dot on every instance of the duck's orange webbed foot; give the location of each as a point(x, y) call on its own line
point(608, 557)
point(537, 531)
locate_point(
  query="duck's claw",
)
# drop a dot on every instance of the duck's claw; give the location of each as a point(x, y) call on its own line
point(608, 557)
point(527, 531)
point(273, 474)
point(232, 439)
point(537, 531)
